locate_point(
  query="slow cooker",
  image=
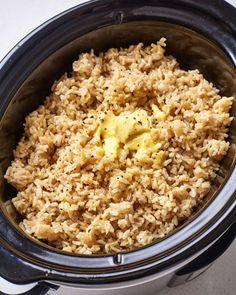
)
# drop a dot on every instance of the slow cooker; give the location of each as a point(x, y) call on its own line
point(200, 34)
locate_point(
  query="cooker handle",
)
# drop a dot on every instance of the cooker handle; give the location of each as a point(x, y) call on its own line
point(17, 276)
point(38, 289)
point(200, 264)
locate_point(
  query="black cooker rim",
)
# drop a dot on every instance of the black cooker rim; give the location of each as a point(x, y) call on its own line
point(118, 266)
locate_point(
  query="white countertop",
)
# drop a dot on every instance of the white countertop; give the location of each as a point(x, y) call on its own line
point(18, 18)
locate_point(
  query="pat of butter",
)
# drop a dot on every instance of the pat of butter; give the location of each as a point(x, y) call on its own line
point(158, 114)
point(131, 124)
point(143, 140)
point(111, 146)
point(108, 126)
point(159, 157)
point(130, 132)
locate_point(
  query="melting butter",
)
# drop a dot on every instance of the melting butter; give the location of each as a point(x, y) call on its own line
point(157, 113)
point(128, 132)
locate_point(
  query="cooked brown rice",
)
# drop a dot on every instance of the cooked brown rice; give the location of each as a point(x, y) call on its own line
point(79, 197)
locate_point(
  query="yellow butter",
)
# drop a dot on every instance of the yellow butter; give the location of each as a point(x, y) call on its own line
point(127, 132)
point(159, 158)
point(111, 146)
point(131, 124)
point(143, 140)
point(158, 114)
point(108, 126)
point(97, 134)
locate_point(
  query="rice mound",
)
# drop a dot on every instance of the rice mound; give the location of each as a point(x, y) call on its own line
point(74, 197)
